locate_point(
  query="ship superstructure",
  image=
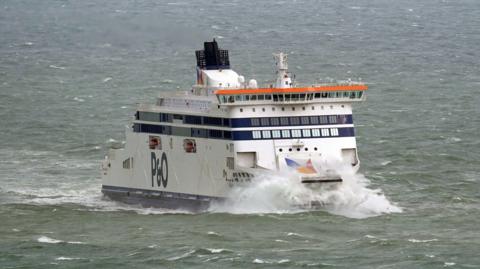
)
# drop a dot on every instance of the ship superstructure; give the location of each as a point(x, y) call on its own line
point(191, 147)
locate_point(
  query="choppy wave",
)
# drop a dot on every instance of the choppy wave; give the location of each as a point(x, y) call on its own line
point(49, 240)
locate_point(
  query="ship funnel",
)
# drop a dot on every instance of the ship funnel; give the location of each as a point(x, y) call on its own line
point(211, 57)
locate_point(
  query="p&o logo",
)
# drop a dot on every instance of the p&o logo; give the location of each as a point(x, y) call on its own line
point(159, 170)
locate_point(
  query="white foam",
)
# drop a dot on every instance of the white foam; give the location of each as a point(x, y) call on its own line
point(259, 261)
point(413, 240)
point(272, 192)
point(216, 250)
point(56, 67)
point(48, 240)
point(61, 258)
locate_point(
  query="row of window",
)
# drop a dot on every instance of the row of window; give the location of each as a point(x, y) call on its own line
point(240, 135)
point(290, 97)
point(304, 120)
point(245, 122)
point(181, 131)
point(296, 133)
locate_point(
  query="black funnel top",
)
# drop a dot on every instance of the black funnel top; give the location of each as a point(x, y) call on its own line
point(211, 57)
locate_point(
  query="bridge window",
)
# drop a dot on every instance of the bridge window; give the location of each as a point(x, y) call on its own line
point(314, 120)
point(306, 133)
point(276, 134)
point(266, 134)
point(316, 132)
point(255, 121)
point(284, 121)
point(256, 134)
point(260, 97)
point(285, 133)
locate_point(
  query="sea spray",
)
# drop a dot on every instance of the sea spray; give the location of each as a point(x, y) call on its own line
point(275, 192)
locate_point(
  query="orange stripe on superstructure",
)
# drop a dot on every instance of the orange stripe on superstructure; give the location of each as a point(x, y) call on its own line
point(333, 88)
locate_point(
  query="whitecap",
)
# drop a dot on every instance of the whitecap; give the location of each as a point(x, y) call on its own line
point(413, 240)
point(454, 139)
point(107, 79)
point(61, 258)
point(75, 242)
point(213, 233)
point(216, 250)
point(447, 264)
point(56, 67)
point(48, 240)
point(385, 163)
point(294, 234)
point(259, 261)
point(78, 99)
point(181, 256)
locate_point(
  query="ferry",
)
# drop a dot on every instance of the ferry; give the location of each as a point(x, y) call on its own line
point(190, 148)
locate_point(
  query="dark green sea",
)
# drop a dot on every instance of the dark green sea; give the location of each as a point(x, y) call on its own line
point(71, 73)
